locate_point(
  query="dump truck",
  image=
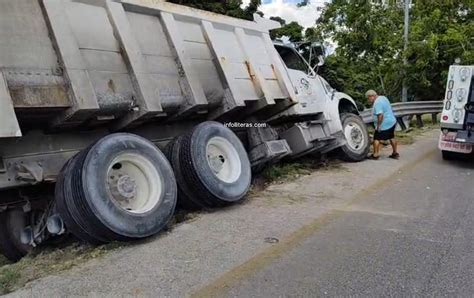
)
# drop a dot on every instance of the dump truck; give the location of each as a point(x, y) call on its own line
point(115, 112)
point(457, 120)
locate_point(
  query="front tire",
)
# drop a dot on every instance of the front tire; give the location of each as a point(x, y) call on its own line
point(357, 136)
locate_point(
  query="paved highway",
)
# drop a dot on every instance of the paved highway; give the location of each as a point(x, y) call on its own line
point(414, 235)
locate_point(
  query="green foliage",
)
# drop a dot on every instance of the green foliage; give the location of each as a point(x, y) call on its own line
point(227, 7)
point(233, 8)
point(442, 31)
point(286, 171)
point(303, 3)
point(370, 52)
point(279, 20)
point(293, 31)
point(8, 279)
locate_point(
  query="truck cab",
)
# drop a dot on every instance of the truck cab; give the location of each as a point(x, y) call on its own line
point(327, 110)
point(457, 119)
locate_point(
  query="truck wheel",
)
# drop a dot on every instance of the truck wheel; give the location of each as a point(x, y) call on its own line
point(357, 137)
point(121, 188)
point(215, 165)
point(62, 191)
point(12, 223)
point(449, 155)
point(186, 199)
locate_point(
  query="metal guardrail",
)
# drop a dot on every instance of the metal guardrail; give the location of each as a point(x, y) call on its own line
point(414, 108)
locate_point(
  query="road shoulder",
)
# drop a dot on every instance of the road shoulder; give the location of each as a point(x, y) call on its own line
point(209, 252)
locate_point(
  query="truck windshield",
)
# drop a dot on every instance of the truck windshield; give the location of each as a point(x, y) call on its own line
point(292, 59)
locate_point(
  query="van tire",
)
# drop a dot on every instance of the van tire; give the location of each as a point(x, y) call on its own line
point(449, 155)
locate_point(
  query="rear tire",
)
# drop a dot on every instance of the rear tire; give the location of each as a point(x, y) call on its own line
point(214, 165)
point(186, 199)
point(357, 137)
point(121, 188)
point(12, 223)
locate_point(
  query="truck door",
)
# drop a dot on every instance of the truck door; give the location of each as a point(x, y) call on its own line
point(308, 88)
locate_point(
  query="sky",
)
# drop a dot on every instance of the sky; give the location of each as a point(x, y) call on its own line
point(288, 10)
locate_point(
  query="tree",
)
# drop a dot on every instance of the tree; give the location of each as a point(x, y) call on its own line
point(370, 45)
point(369, 39)
point(293, 30)
point(279, 20)
point(303, 3)
point(441, 32)
point(227, 7)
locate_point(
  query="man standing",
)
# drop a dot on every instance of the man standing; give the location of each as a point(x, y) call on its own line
point(385, 123)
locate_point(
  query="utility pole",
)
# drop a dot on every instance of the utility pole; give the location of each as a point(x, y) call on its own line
point(405, 61)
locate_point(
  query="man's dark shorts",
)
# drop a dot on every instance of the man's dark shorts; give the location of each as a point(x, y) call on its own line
point(385, 135)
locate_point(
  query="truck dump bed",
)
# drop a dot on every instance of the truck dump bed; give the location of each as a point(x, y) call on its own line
point(76, 63)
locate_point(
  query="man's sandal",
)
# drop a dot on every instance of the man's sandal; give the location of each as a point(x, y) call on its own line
point(373, 157)
point(394, 156)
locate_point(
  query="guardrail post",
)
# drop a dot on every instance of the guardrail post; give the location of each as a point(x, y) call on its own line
point(434, 118)
point(419, 121)
point(401, 123)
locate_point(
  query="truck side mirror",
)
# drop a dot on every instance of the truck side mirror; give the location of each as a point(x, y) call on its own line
point(321, 61)
point(319, 51)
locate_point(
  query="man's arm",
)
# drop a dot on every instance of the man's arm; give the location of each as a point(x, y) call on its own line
point(379, 121)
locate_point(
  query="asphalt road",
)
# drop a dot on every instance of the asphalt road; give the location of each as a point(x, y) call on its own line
point(412, 236)
point(391, 228)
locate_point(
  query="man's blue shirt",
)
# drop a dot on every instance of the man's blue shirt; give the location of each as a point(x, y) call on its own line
point(382, 106)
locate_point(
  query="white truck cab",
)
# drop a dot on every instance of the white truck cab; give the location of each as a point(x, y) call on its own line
point(457, 119)
point(331, 114)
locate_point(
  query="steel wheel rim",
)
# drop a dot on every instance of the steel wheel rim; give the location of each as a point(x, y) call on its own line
point(354, 136)
point(223, 159)
point(134, 183)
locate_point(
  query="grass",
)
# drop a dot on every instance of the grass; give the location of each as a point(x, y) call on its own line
point(9, 278)
point(288, 171)
point(3, 261)
point(48, 261)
